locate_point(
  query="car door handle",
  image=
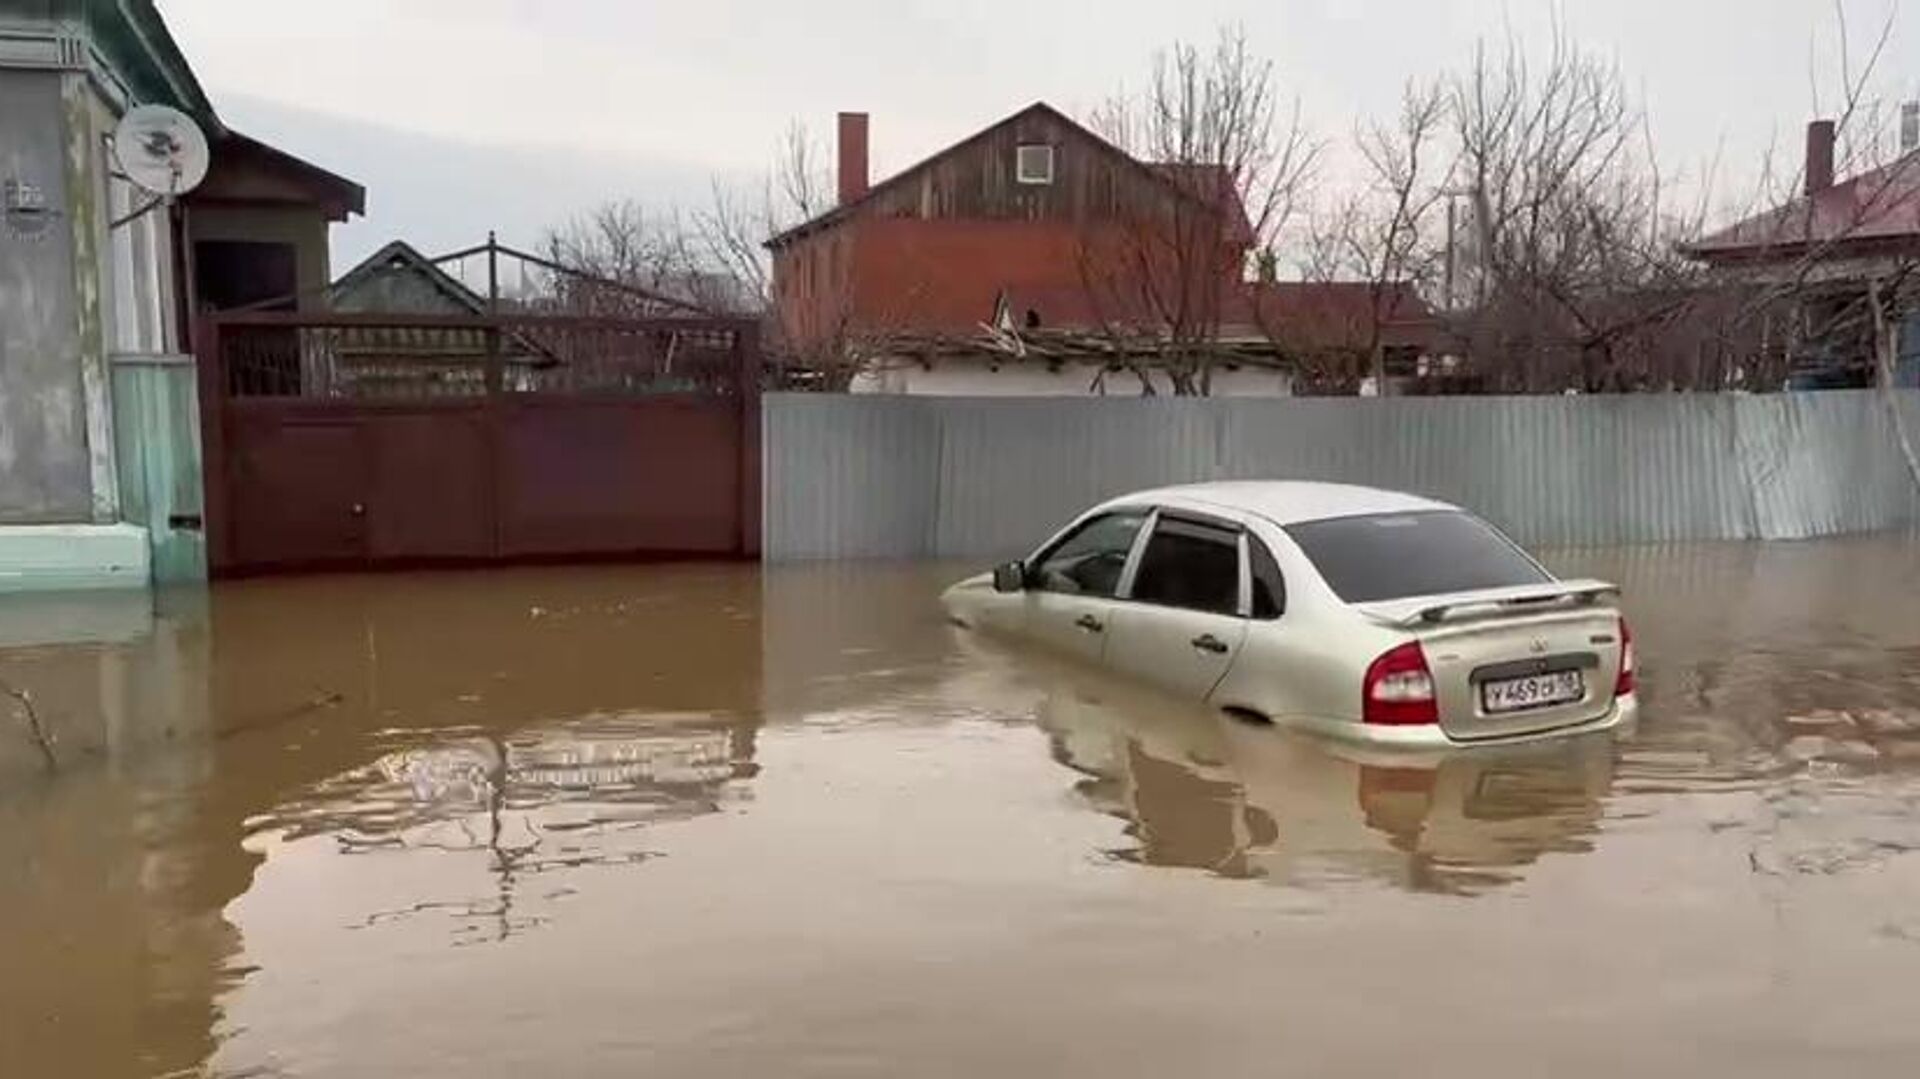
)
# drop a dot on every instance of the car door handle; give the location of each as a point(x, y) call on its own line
point(1207, 642)
point(1090, 623)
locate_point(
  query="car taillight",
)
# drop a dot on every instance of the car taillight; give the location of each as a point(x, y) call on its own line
point(1398, 691)
point(1624, 684)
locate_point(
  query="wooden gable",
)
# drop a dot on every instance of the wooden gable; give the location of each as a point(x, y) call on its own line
point(977, 178)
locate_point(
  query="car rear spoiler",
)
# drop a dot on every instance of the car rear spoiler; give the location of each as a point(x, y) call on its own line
point(1430, 610)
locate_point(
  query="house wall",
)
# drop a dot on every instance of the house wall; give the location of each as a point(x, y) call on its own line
point(83, 298)
point(975, 180)
point(926, 275)
point(811, 285)
point(73, 293)
point(156, 414)
point(1028, 378)
point(141, 313)
point(398, 291)
point(945, 275)
point(304, 227)
point(45, 475)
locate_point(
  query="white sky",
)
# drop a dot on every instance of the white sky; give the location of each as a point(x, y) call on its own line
point(461, 115)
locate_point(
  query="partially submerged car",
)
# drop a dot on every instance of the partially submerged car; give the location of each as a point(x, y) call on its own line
point(1354, 612)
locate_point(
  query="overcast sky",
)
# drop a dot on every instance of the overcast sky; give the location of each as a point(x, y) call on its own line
point(465, 115)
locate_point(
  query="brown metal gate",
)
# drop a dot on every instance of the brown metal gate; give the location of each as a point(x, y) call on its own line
point(337, 441)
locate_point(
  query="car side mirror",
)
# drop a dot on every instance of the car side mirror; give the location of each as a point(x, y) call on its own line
point(1010, 577)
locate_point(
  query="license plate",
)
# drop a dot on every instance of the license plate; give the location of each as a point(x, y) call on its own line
point(1533, 691)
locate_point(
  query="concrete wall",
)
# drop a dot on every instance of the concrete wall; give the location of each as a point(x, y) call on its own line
point(919, 477)
point(45, 474)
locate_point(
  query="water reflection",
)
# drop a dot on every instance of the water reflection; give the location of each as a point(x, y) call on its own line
point(1203, 791)
point(537, 802)
point(470, 738)
point(287, 813)
point(1760, 661)
point(89, 676)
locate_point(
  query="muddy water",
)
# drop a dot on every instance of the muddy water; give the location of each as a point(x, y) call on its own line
point(700, 821)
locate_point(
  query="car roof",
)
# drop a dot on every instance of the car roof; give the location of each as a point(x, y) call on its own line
point(1285, 502)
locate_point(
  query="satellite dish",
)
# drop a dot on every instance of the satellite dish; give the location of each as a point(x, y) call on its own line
point(161, 149)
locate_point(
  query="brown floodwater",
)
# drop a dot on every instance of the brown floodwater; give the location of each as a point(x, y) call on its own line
point(711, 821)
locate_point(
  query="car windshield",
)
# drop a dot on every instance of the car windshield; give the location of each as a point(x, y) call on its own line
point(1399, 555)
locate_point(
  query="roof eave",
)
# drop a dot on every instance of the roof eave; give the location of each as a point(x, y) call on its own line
point(344, 197)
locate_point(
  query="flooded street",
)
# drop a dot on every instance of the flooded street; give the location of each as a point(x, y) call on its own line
point(715, 821)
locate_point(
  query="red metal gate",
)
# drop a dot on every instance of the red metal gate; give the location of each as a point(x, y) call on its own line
point(359, 441)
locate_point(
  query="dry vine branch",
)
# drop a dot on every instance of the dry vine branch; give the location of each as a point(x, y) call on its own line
point(42, 738)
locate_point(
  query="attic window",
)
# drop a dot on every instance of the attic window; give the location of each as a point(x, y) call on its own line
point(1033, 163)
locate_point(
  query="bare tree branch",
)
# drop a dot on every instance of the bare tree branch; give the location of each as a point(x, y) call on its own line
point(1233, 160)
point(42, 737)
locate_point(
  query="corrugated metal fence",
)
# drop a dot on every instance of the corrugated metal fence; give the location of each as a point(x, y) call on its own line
point(920, 477)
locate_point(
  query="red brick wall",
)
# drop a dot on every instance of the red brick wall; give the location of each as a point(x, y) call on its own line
point(944, 276)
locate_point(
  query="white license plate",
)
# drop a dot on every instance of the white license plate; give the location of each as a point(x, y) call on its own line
point(1533, 691)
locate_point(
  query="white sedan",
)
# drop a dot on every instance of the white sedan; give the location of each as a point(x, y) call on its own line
point(1355, 612)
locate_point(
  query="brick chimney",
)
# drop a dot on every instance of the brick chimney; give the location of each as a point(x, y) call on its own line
point(853, 156)
point(1820, 138)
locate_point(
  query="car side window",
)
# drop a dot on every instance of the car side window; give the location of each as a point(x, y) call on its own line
point(1190, 565)
point(1269, 587)
point(1089, 561)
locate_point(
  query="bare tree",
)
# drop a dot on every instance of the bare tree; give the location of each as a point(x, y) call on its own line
point(717, 257)
point(816, 333)
point(1231, 158)
point(650, 251)
point(1381, 237)
point(1567, 258)
point(732, 232)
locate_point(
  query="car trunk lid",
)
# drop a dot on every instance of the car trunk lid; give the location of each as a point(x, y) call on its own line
point(1515, 661)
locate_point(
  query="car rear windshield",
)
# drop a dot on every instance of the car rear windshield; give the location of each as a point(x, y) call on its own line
point(1400, 555)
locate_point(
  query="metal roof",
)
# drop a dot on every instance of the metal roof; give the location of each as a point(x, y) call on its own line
point(1879, 206)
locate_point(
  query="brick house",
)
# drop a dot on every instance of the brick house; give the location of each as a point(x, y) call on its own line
point(1010, 263)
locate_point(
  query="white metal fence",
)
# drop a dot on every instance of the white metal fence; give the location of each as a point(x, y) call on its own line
point(925, 477)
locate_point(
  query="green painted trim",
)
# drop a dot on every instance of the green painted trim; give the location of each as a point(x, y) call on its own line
point(157, 436)
point(68, 558)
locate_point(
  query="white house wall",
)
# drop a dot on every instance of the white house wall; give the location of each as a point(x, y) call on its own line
point(1028, 378)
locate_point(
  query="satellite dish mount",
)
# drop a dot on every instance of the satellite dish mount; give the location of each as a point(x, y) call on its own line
point(161, 151)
